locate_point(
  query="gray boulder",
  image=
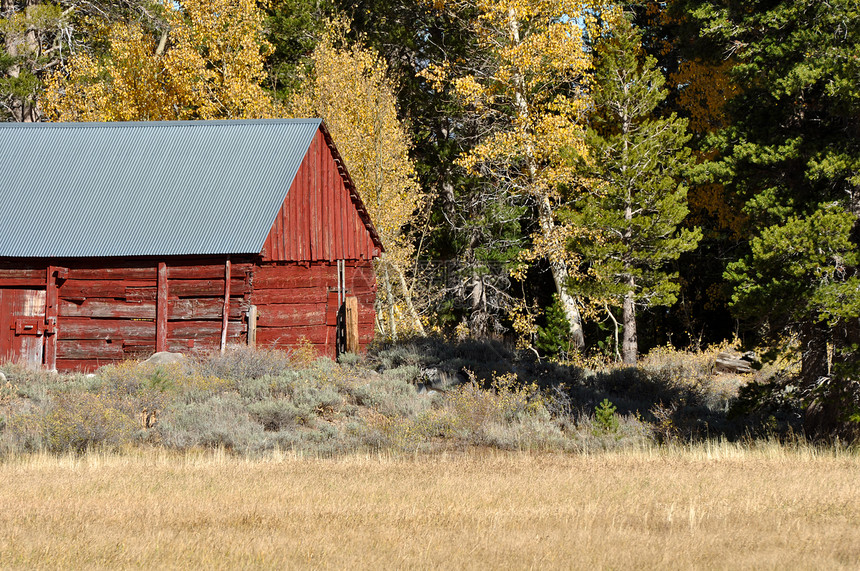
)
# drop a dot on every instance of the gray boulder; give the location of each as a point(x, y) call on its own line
point(165, 358)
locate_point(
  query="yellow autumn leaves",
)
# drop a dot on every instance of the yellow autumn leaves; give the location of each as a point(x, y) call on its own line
point(208, 64)
point(350, 89)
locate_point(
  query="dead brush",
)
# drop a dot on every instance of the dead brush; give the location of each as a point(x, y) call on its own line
point(664, 427)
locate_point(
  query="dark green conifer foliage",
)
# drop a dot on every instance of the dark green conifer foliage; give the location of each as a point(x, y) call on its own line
point(636, 202)
point(792, 151)
point(554, 339)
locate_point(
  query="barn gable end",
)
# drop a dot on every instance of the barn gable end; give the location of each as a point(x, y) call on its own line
point(322, 217)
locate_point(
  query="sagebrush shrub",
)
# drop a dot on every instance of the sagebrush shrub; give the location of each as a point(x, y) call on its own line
point(81, 420)
point(219, 421)
point(277, 414)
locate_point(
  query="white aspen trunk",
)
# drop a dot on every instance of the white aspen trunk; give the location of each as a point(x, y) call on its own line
point(410, 306)
point(560, 274)
point(389, 294)
point(546, 218)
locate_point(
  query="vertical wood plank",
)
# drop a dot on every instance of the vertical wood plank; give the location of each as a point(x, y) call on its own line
point(307, 218)
point(161, 309)
point(280, 236)
point(341, 217)
point(351, 310)
point(51, 313)
point(252, 326)
point(318, 195)
point(226, 313)
point(286, 212)
point(330, 189)
point(296, 226)
point(310, 206)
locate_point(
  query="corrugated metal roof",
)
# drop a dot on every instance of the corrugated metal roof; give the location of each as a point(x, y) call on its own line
point(144, 189)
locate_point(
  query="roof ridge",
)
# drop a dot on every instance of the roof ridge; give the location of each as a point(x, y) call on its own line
point(169, 123)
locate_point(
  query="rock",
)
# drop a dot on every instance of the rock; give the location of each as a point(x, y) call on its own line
point(428, 390)
point(166, 358)
point(750, 357)
point(435, 381)
point(732, 363)
point(2, 377)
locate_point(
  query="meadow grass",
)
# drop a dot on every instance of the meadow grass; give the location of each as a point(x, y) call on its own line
point(709, 505)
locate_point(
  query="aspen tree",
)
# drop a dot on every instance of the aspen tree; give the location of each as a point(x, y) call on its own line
point(350, 89)
point(207, 64)
point(529, 89)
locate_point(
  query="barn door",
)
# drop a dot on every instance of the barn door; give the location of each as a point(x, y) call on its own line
point(22, 326)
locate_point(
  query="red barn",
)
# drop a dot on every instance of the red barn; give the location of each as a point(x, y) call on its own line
point(122, 239)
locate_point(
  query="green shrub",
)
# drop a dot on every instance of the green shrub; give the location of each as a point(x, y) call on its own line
point(554, 339)
point(605, 418)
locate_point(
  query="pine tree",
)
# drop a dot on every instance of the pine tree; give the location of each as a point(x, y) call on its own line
point(791, 151)
point(636, 202)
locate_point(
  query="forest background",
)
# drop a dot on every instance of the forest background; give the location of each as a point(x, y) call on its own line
point(571, 177)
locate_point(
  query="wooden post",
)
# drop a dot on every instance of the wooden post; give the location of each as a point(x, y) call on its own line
point(351, 318)
point(161, 309)
point(51, 313)
point(225, 318)
point(252, 326)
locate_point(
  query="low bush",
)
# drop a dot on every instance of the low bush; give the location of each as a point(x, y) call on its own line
point(220, 421)
point(78, 421)
point(249, 401)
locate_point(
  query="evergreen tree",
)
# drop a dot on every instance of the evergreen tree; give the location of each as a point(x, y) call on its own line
point(635, 203)
point(791, 150)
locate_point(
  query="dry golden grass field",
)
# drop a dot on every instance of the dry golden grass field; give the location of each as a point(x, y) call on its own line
point(711, 506)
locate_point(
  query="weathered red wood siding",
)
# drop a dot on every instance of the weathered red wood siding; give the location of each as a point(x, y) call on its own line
point(107, 314)
point(320, 220)
point(298, 303)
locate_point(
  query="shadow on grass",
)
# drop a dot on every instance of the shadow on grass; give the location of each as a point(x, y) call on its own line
point(678, 393)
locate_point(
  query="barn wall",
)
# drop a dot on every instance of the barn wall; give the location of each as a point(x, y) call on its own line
point(108, 314)
point(319, 220)
point(298, 303)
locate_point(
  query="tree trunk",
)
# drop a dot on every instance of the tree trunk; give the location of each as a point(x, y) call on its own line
point(407, 298)
point(560, 275)
point(389, 302)
point(23, 109)
point(813, 363)
point(478, 318)
point(546, 219)
point(630, 346)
